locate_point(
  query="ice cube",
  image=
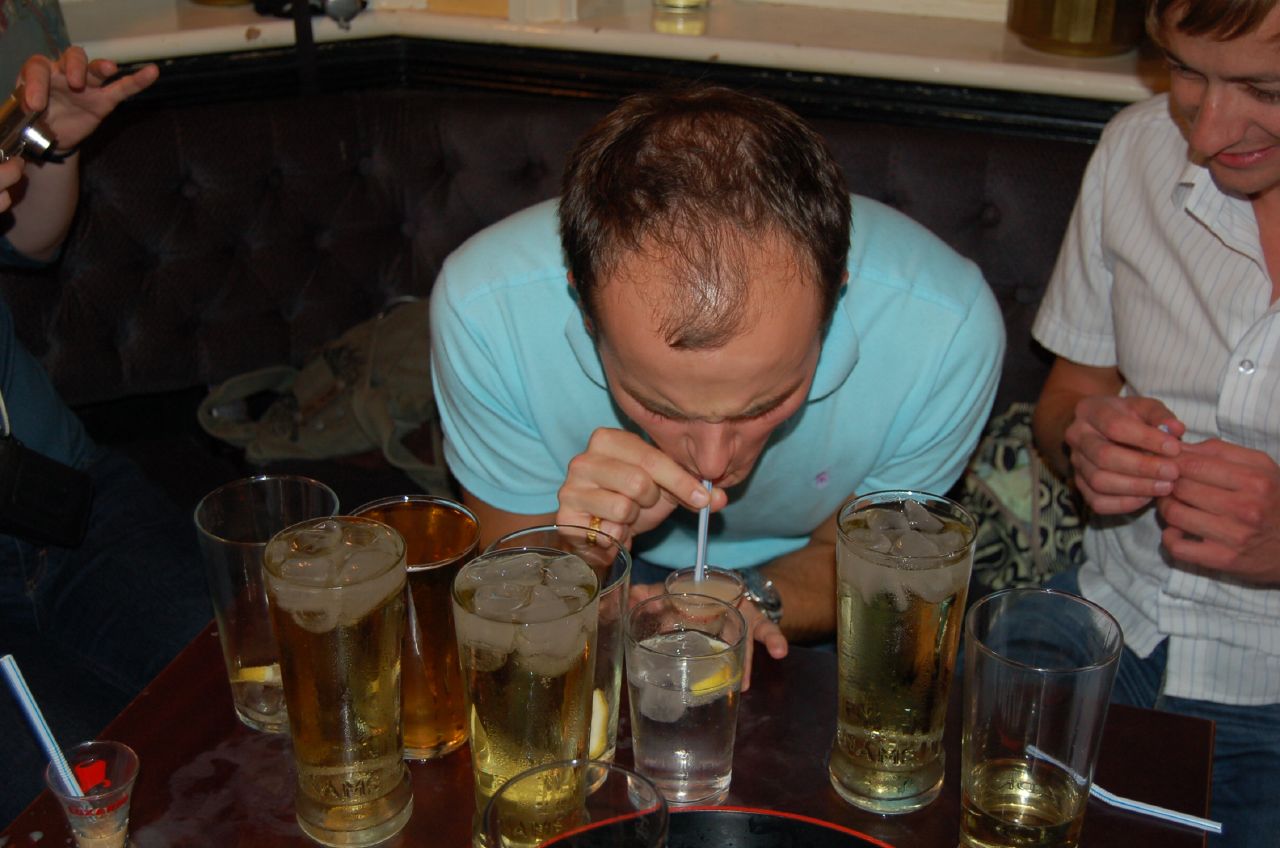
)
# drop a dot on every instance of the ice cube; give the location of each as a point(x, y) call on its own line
point(476, 633)
point(519, 567)
point(360, 564)
point(321, 536)
point(919, 517)
point(949, 541)
point(550, 648)
point(317, 619)
point(913, 543)
point(315, 570)
point(659, 704)
point(542, 604)
point(501, 601)
point(879, 518)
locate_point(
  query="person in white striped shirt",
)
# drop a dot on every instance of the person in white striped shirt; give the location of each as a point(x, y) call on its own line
point(1164, 402)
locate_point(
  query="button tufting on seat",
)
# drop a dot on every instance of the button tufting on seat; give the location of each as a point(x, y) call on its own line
point(990, 215)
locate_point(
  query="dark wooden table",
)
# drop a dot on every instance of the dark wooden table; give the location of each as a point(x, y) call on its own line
point(208, 780)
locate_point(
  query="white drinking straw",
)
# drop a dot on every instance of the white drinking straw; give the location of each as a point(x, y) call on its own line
point(41, 728)
point(1141, 807)
point(704, 517)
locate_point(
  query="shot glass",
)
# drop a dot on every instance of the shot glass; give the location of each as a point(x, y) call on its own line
point(336, 588)
point(685, 657)
point(720, 583)
point(573, 803)
point(105, 772)
point(1038, 670)
point(440, 535)
point(235, 522)
point(526, 624)
point(612, 566)
point(902, 561)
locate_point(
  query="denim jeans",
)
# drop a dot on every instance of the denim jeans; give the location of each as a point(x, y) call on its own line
point(91, 626)
point(1246, 761)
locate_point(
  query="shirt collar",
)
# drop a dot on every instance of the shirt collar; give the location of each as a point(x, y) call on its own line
point(1229, 218)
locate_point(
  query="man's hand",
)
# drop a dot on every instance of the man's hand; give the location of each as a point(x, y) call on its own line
point(73, 91)
point(1121, 457)
point(759, 627)
point(10, 175)
point(628, 484)
point(1224, 510)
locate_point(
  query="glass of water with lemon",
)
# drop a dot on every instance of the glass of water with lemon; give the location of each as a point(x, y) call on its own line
point(685, 655)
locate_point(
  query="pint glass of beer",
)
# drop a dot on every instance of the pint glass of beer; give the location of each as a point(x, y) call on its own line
point(612, 564)
point(336, 590)
point(902, 561)
point(526, 624)
point(440, 535)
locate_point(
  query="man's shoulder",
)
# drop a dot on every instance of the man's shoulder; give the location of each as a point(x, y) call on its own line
point(521, 251)
point(1135, 127)
point(891, 249)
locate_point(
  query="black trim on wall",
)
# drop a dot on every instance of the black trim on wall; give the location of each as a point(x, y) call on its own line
point(424, 63)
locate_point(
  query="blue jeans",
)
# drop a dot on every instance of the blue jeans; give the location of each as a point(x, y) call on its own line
point(1246, 761)
point(91, 626)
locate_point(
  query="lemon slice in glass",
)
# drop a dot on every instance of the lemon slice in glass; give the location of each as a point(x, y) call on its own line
point(599, 724)
point(721, 678)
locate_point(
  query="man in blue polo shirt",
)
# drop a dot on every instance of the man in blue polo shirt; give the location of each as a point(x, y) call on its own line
point(692, 309)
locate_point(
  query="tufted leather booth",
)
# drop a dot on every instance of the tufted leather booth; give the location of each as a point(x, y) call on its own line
point(217, 238)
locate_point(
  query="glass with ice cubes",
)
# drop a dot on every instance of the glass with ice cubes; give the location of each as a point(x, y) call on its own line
point(335, 587)
point(902, 562)
point(685, 657)
point(526, 625)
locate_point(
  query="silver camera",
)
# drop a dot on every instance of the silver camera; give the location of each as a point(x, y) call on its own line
point(20, 129)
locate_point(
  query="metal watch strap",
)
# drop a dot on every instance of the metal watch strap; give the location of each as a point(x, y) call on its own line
point(762, 593)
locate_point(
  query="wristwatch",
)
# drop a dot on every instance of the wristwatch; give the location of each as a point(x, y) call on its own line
point(762, 593)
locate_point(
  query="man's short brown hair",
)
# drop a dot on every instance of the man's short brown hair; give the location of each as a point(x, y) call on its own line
point(700, 177)
point(1221, 20)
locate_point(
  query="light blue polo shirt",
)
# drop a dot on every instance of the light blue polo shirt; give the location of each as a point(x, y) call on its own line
point(904, 384)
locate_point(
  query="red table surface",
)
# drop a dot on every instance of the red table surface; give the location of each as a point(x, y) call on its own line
point(207, 780)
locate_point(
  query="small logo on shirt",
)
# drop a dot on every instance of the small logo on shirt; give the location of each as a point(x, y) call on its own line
point(821, 481)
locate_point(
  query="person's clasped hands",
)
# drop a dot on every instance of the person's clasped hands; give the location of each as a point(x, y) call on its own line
point(1219, 501)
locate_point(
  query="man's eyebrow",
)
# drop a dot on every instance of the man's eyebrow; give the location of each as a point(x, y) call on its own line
point(754, 411)
point(1175, 59)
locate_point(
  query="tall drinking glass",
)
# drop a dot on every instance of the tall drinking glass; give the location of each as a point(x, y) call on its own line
point(685, 657)
point(526, 624)
point(336, 587)
point(1038, 669)
point(234, 523)
point(440, 535)
point(612, 565)
point(903, 561)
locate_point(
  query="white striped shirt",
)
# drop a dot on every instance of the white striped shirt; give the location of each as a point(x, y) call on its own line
point(1163, 276)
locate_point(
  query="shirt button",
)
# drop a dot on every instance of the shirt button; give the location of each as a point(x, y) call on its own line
point(1246, 366)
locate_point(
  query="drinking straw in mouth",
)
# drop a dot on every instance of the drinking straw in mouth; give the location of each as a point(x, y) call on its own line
point(704, 517)
point(38, 725)
point(1140, 807)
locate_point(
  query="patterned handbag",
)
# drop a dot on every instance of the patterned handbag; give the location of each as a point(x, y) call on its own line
point(1030, 523)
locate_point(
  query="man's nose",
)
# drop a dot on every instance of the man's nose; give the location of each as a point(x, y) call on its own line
point(1217, 122)
point(710, 448)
